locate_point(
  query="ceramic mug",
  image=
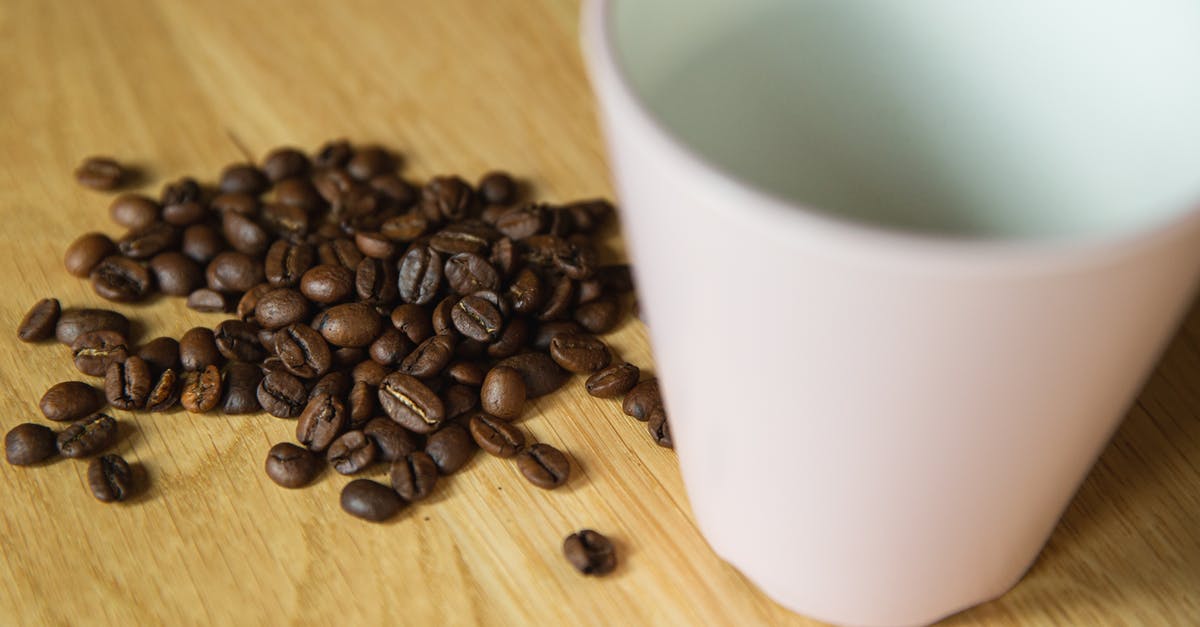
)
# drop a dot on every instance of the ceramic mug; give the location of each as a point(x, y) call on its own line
point(904, 266)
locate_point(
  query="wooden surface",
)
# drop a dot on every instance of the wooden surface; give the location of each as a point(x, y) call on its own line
point(458, 86)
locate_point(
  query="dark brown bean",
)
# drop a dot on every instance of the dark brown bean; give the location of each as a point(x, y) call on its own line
point(515, 335)
point(74, 322)
point(235, 202)
point(496, 436)
point(284, 163)
point(233, 271)
point(450, 447)
point(544, 466)
point(95, 350)
point(405, 227)
point(527, 292)
point(281, 307)
point(127, 384)
point(243, 178)
point(133, 211)
point(420, 275)
point(86, 252)
point(393, 441)
point(201, 243)
point(429, 357)
point(321, 422)
point(590, 553)
point(148, 242)
point(369, 372)
point(298, 193)
point(244, 234)
point(184, 213)
point(642, 399)
point(414, 476)
point(459, 399)
point(539, 371)
point(471, 236)
point(184, 190)
point(334, 383)
point(303, 351)
point(201, 390)
point(559, 300)
point(413, 321)
point(600, 315)
point(579, 353)
point(291, 466)
point(287, 263)
point(121, 279)
point(442, 318)
point(360, 404)
point(39, 322)
point(498, 188)
point(208, 301)
point(375, 281)
point(523, 222)
point(411, 403)
point(87, 436)
point(468, 373)
point(99, 173)
point(613, 381)
point(503, 393)
point(160, 353)
point(249, 301)
point(477, 318)
point(240, 388)
point(282, 395)
point(390, 348)
point(110, 478)
point(238, 340)
point(29, 443)
point(70, 400)
point(327, 283)
point(175, 273)
point(447, 197)
point(660, 428)
point(164, 394)
point(350, 324)
point(352, 452)
point(370, 500)
point(467, 273)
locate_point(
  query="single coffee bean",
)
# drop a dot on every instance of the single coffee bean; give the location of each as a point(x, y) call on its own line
point(447, 197)
point(121, 279)
point(350, 324)
point(405, 227)
point(328, 283)
point(374, 244)
point(184, 190)
point(243, 178)
point(74, 322)
point(100, 173)
point(660, 429)
point(233, 271)
point(240, 388)
point(467, 273)
point(442, 318)
point(201, 243)
point(160, 353)
point(369, 372)
point(590, 553)
point(333, 154)
point(249, 302)
point(280, 307)
point(471, 236)
point(459, 399)
point(369, 162)
point(184, 213)
point(375, 281)
point(208, 301)
point(148, 242)
point(642, 399)
point(291, 466)
point(29, 443)
point(39, 322)
point(95, 350)
point(335, 384)
point(133, 211)
point(298, 193)
point(613, 381)
point(176, 274)
point(399, 192)
point(391, 440)
point(579, 353)
point(576, 262)
point(477, 319)
point(600, 315)
point(303, 351)
point(127, 384)
point(544, 466)
point(110, 478)
point(339, 252)
point(450, 447)
point(201, 390)
point(390, 347)
point(523, 222)
point(411, 403)
point(235, 202)
point(429, 357)
point(352, 452)
point(286, 263)
point(539, 371)
point(513, 337)
point(244, 234)
point(503, 393)
point(198, 349)
point(527, 292)
point(414, 476)
point(164, 394)
point(290, 224)
point(320, 422)
point(420, 275)
point(238, 340)
point(498, 188)
point(413, 321)
point(86, 252)
point(370, 500)
point(70, 400)
point(504, 257)
point(282, 394)
point(496, 436)
point(87, 436)
point(559, 300)
point(284, 163)
point(469, 373)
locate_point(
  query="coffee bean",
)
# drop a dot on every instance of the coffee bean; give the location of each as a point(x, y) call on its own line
point(642, 399)
point(321, 421)
point(95, 350)
point(280, 307)
point(339, 252)
point(240, 388)
point(600, 315)
point(243, 178)
point(184, 213)
point(498, 188)
point(471, 236)
point(127, 384)
point(235, 202)
point(413, 321)
point(477, 319)
point(208, 301)
point(249, 301)
point(399, 192)
point(100, 173)
point(576, 262)
point(110, 478)
point(350, 324)
point(244, 234)
point(176, 274)
point(467, 273)
point(411, 403)
point(544, 466)
point(558, 302)
point(392, 441)
point(201, 243)
point(87, 436)
point(447, 197)
point(414, 476)
point(284, 163)
point(39, 322)
point(351, 453)
point(233, 271)
point(579, 353)
point(660, 429)
point(420, 275)
point(298, 193)
point(133, 211)
point(374, 245)
point(121, 279)
point(588, 291)
point(368, 372)
point(590, 553)
point(29, 443)
point(523, 222)
point(515, 335)
point(328, 284)
point(370, 500)
point(184, 190)
point(360, 404)
point(450, 447)
point(613, 381)
point(74, 322)
point(282, 395)
point(287, 263)
point(291, 466)
point(458, 399)
point(303, 351)
point(86, 252)
point(539, 371)
point(495, 435)
point(468, 373)
point(149, 241)
point(160, 353)
point(503, 393)
point(201, 390)
point(405, 227)
point(375, 281)
point(504, 257)
point(238, 340)
point(164, 394)
point(390, 347)
point(442, 318)
point(70, 400)
point(429, 357)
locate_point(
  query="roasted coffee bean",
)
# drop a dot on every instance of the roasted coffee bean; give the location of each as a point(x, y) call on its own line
point(405, 227)
point(498, 188)
point(420, 275)
point(339, 252)
point(303, 351)
point(590, 553)
point(390, 347)
point(284, 163)
point(133, 211)
point(370, 500)
point(70, 400)
point(121, 279)
point(244, 234)
point(523, 222)
point(539, 371)
point(287, 222)
point(243, 178)
point(240, 388)
point(238, 340)
point(39, 322)
point(600, 315)
point(208, 301)
point(184, 213)
point(201, 390)
point(87, 436)
point(370, 161)
point(504, 257)
point(86, 252)
point(198, 349)
point(374, 245)
point(429, 357)
point(613, 381)
point(149, 241)
point(471, 236)
point(100, 173)
point(110, 478)
point(281, 307)
point(298, 193)
point(127, 384)
point(414, 476)
point(321, 421)
point(233, 271)
point(459, 399)
point(442, 318)
point(235, 202)
point(447, 197)
point(411, 403)
point(558, 302)
point(286, 263)
point(164, 394)
point(413, 321)
point(660, 429)
point(360, 405)
point(451, 447)
point(527, 292)
point(375, 281)
point(477, 319)
point(368, 371)
point(328, 284)
point(160, 353)
point(201, 243)
point(496, 436)
point(468, 373)
point(392, 441)
point(75, 322)
point(576, 262)
point(175, 273)
point(282, 394)
point(503, 393)
point(333, 154)
point(642, 399)
point(544, 466)
point(350, 324)
point(29, 443)
point(95, 350)
point(249, 301)
point(467, 273)
point(515, 335)
point(579, 353)
point(291, 466)
point(352, 452)
point(399, 192)
point(334, 383)
point(184, 190)
point(491, 213)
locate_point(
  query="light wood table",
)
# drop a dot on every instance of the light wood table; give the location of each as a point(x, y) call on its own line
point(457, 86)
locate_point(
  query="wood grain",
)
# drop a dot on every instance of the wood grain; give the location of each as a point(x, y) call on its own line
point(458, 86)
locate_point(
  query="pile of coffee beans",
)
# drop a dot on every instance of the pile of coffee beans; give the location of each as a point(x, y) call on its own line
point(396, 323)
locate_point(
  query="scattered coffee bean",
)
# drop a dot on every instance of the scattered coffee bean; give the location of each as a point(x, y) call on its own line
point(590, 552)
point(201, 390)
point(101, 173)
point(121, 279)
point(477, 319)
point(237, 340)
point(420, 275)
point(110, 478)
point(74, 322)
point(544, 466)
point(496, 436)
point(370, 500)
point(642, 399)
point(70, 400)
point(498, 188)
point(127, 384)
point(87, 436)
point(579, 353)
point(450, 447)
point(95, 350)
point(414, 476)
point(233, 271)
point(660, 429)
point(29, 443)
point(39, 322)
point(429, 357)
point(86, 252)
point(467, 373)
point(133, 211)
point(352, 452)
point(176, 274)
point(613, 381)
point(413, 321)
point(503, 393)
point(600, 315)
point(351, 324)
point(291, 466)
point(148, 242)
point(447, 197)
point(284, 163)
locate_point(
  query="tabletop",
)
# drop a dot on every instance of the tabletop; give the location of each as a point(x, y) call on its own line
point(456, 86)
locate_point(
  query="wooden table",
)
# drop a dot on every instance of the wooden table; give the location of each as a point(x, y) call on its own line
point(458, 86)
